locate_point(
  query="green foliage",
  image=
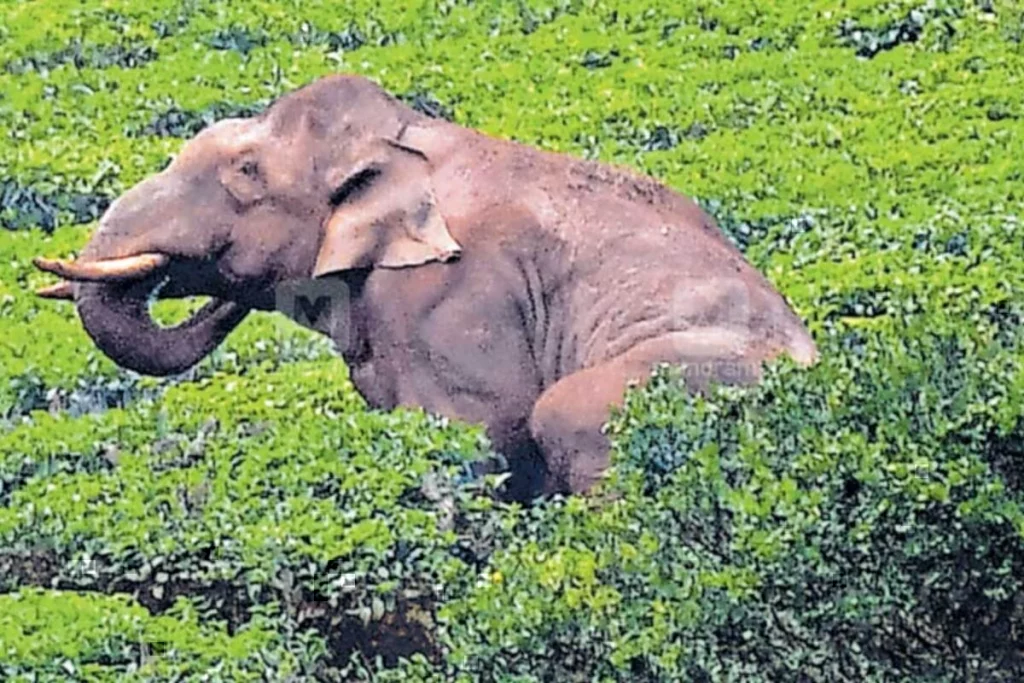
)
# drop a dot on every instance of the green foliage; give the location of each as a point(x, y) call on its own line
point(110, 638)
point(860, 521)
point(846, 524)
point(275, 491)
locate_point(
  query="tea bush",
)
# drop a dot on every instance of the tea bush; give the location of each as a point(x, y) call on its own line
point(109, 638)
point(816, 529)
point(252, 519)
point(289, 494)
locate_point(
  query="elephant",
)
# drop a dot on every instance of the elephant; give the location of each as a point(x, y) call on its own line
point(485, 280)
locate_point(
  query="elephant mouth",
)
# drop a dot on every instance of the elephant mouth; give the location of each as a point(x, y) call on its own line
point(113, 298)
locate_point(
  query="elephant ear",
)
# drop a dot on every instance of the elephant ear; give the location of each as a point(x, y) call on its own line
point(385, 214)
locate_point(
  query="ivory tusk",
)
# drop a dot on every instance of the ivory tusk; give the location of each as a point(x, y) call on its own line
point(108, 270)
point(61, 290)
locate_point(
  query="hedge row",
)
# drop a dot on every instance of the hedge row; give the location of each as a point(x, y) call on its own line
point(861, 522)
point(275, 494)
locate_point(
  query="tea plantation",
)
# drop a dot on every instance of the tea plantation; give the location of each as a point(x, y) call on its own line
point(253, 520)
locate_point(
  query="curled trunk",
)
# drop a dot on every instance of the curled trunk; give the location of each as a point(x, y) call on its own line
point(116, 317)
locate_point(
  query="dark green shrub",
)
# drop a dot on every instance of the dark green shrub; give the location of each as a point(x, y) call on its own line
point(840, 525)
point(23, 207)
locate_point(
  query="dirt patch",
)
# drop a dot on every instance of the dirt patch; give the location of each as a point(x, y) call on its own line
point(28, 568)
point(399, 634)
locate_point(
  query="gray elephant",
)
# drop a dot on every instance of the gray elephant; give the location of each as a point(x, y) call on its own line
point(485, 280)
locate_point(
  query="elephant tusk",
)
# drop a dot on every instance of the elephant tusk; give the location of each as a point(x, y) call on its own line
point(108, 270)
point(62, 290)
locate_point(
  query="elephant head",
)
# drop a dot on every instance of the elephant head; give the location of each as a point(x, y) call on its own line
point(327, 179)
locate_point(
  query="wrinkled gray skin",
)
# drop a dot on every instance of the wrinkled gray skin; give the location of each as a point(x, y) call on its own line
point(574, 279)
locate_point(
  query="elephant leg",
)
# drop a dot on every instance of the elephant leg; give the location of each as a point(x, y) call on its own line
point(523, 464)
point(568, 418)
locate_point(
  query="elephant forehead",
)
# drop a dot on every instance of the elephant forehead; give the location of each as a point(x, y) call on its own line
point(227, 137)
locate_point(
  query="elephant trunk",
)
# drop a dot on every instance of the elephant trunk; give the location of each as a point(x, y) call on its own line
point(116, 317)
point(145, 239)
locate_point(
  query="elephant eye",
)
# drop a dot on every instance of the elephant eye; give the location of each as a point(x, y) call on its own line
point(250, 169)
